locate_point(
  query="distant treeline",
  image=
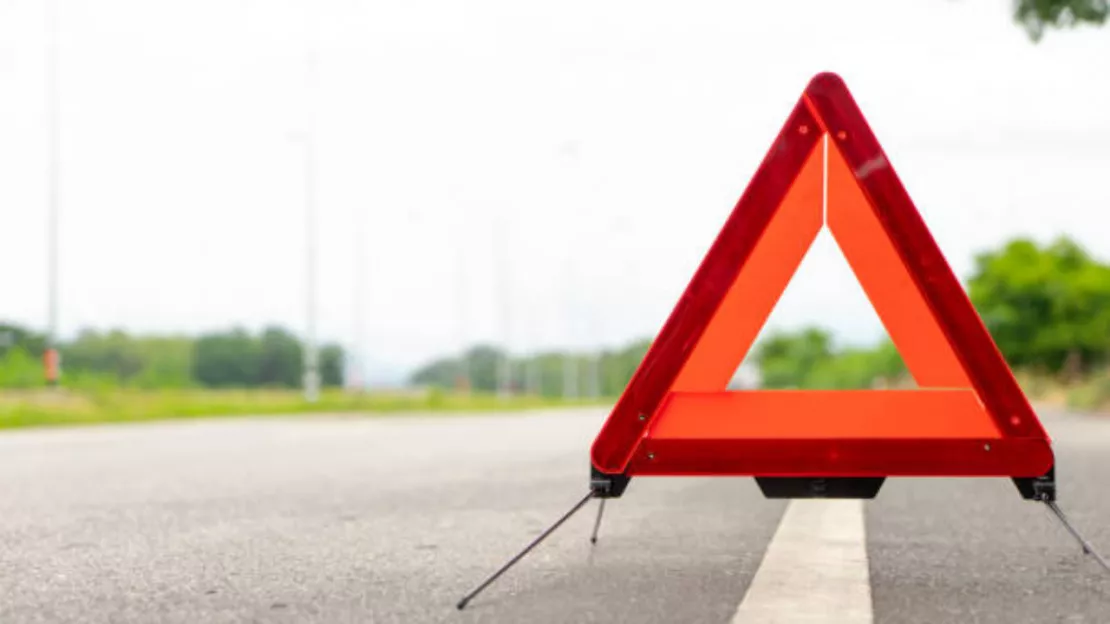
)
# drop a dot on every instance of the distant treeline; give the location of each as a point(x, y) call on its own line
point(1046, 306)
point(234, 358)
point(550, 374)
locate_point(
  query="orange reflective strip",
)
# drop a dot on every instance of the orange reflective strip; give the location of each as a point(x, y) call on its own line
point(910, 323)
point(759, 284)
point(823, 414)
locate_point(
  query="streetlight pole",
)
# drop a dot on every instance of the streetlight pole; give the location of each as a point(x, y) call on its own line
point(570, 358)
point(51, 360)
point(569, 154)
point(504, 363)
point(463, 382)
point(356, 367)
point(311, 356)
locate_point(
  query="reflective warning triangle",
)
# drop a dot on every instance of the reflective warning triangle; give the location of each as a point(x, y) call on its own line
point(967, 417)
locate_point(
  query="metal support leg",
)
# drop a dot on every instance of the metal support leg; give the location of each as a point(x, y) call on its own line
point(1087, 548)
point(597, 523)
point(466, 599)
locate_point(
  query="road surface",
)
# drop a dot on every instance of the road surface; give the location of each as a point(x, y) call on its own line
point(348, 519)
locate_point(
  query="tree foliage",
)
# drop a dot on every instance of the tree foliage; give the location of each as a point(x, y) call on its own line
point(1037, 16)
point(227, 359)
point(1047, 307)
point(809, 359)
point(273, 359)
point(16, 337)
point(541, 373)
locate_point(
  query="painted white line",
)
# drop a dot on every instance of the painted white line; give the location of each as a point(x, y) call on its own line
point(815, 569)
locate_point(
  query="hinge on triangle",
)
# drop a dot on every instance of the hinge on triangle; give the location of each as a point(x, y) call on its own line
point(1041, 489)
point(607, 485)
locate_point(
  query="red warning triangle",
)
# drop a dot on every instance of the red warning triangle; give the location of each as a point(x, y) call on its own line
point(968, 416)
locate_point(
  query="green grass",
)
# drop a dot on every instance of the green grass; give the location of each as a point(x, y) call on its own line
point(1090, 393)
point(37, 408)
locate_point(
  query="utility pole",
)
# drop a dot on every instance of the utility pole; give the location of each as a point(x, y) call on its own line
point(356, 363)
point(568, 153)
point(51, 359)
point(504, 364)
point(593, 376)
point(570, 359)
point(532, 375)
point(461, 315)
point(593, 355)
point(311, 355)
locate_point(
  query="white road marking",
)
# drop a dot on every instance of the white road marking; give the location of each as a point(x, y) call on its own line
point(815, 569)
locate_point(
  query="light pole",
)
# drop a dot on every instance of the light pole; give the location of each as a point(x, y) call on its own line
point(534, 378)
point(311, 356)
point(568, 153)
point(51, 359)
point(463, 382)
point(356, 365)
point(570, 359)
point(504, 364)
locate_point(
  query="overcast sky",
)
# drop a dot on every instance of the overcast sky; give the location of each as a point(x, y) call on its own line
point(607, 141)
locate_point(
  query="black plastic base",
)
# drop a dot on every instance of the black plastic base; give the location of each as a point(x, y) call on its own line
point(820, 487)
point(1031, 488)
point(1038, 488)
point(607, 485)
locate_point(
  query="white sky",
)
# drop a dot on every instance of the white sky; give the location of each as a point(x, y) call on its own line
point(610, 140)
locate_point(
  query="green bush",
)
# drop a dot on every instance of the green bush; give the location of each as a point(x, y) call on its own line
point(808, 359)
point(19, 369)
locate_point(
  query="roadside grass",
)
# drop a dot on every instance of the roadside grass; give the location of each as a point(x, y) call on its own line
point(1090, 393)
point(39, 408)
point(87, 406)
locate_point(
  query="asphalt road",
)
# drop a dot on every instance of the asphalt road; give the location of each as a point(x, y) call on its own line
point(346, 519)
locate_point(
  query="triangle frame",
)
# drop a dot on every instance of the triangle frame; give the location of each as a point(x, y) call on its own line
point(971, 418)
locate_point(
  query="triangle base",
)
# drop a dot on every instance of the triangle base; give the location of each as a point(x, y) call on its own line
point(1039, 489)
point(875, 457)
point(1042, 488)
point(820, 487)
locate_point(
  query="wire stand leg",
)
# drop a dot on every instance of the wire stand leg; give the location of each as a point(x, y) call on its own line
point(466, 599)
point(1087, 548)
point(597, 522)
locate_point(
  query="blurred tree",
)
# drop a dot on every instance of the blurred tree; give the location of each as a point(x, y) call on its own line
point(444, 373)
point(331, 365)
point(483, 367)
point(16, 337)
point(227, 359)
point(786, 360)
point(19, 369)
point(858, 368)
point(112, 353)
point(1044, 306)
point(1036, 16)
point(167, 362)
point(280, 359)
point(440, 373)
point(615, 369)
point(807, 359)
